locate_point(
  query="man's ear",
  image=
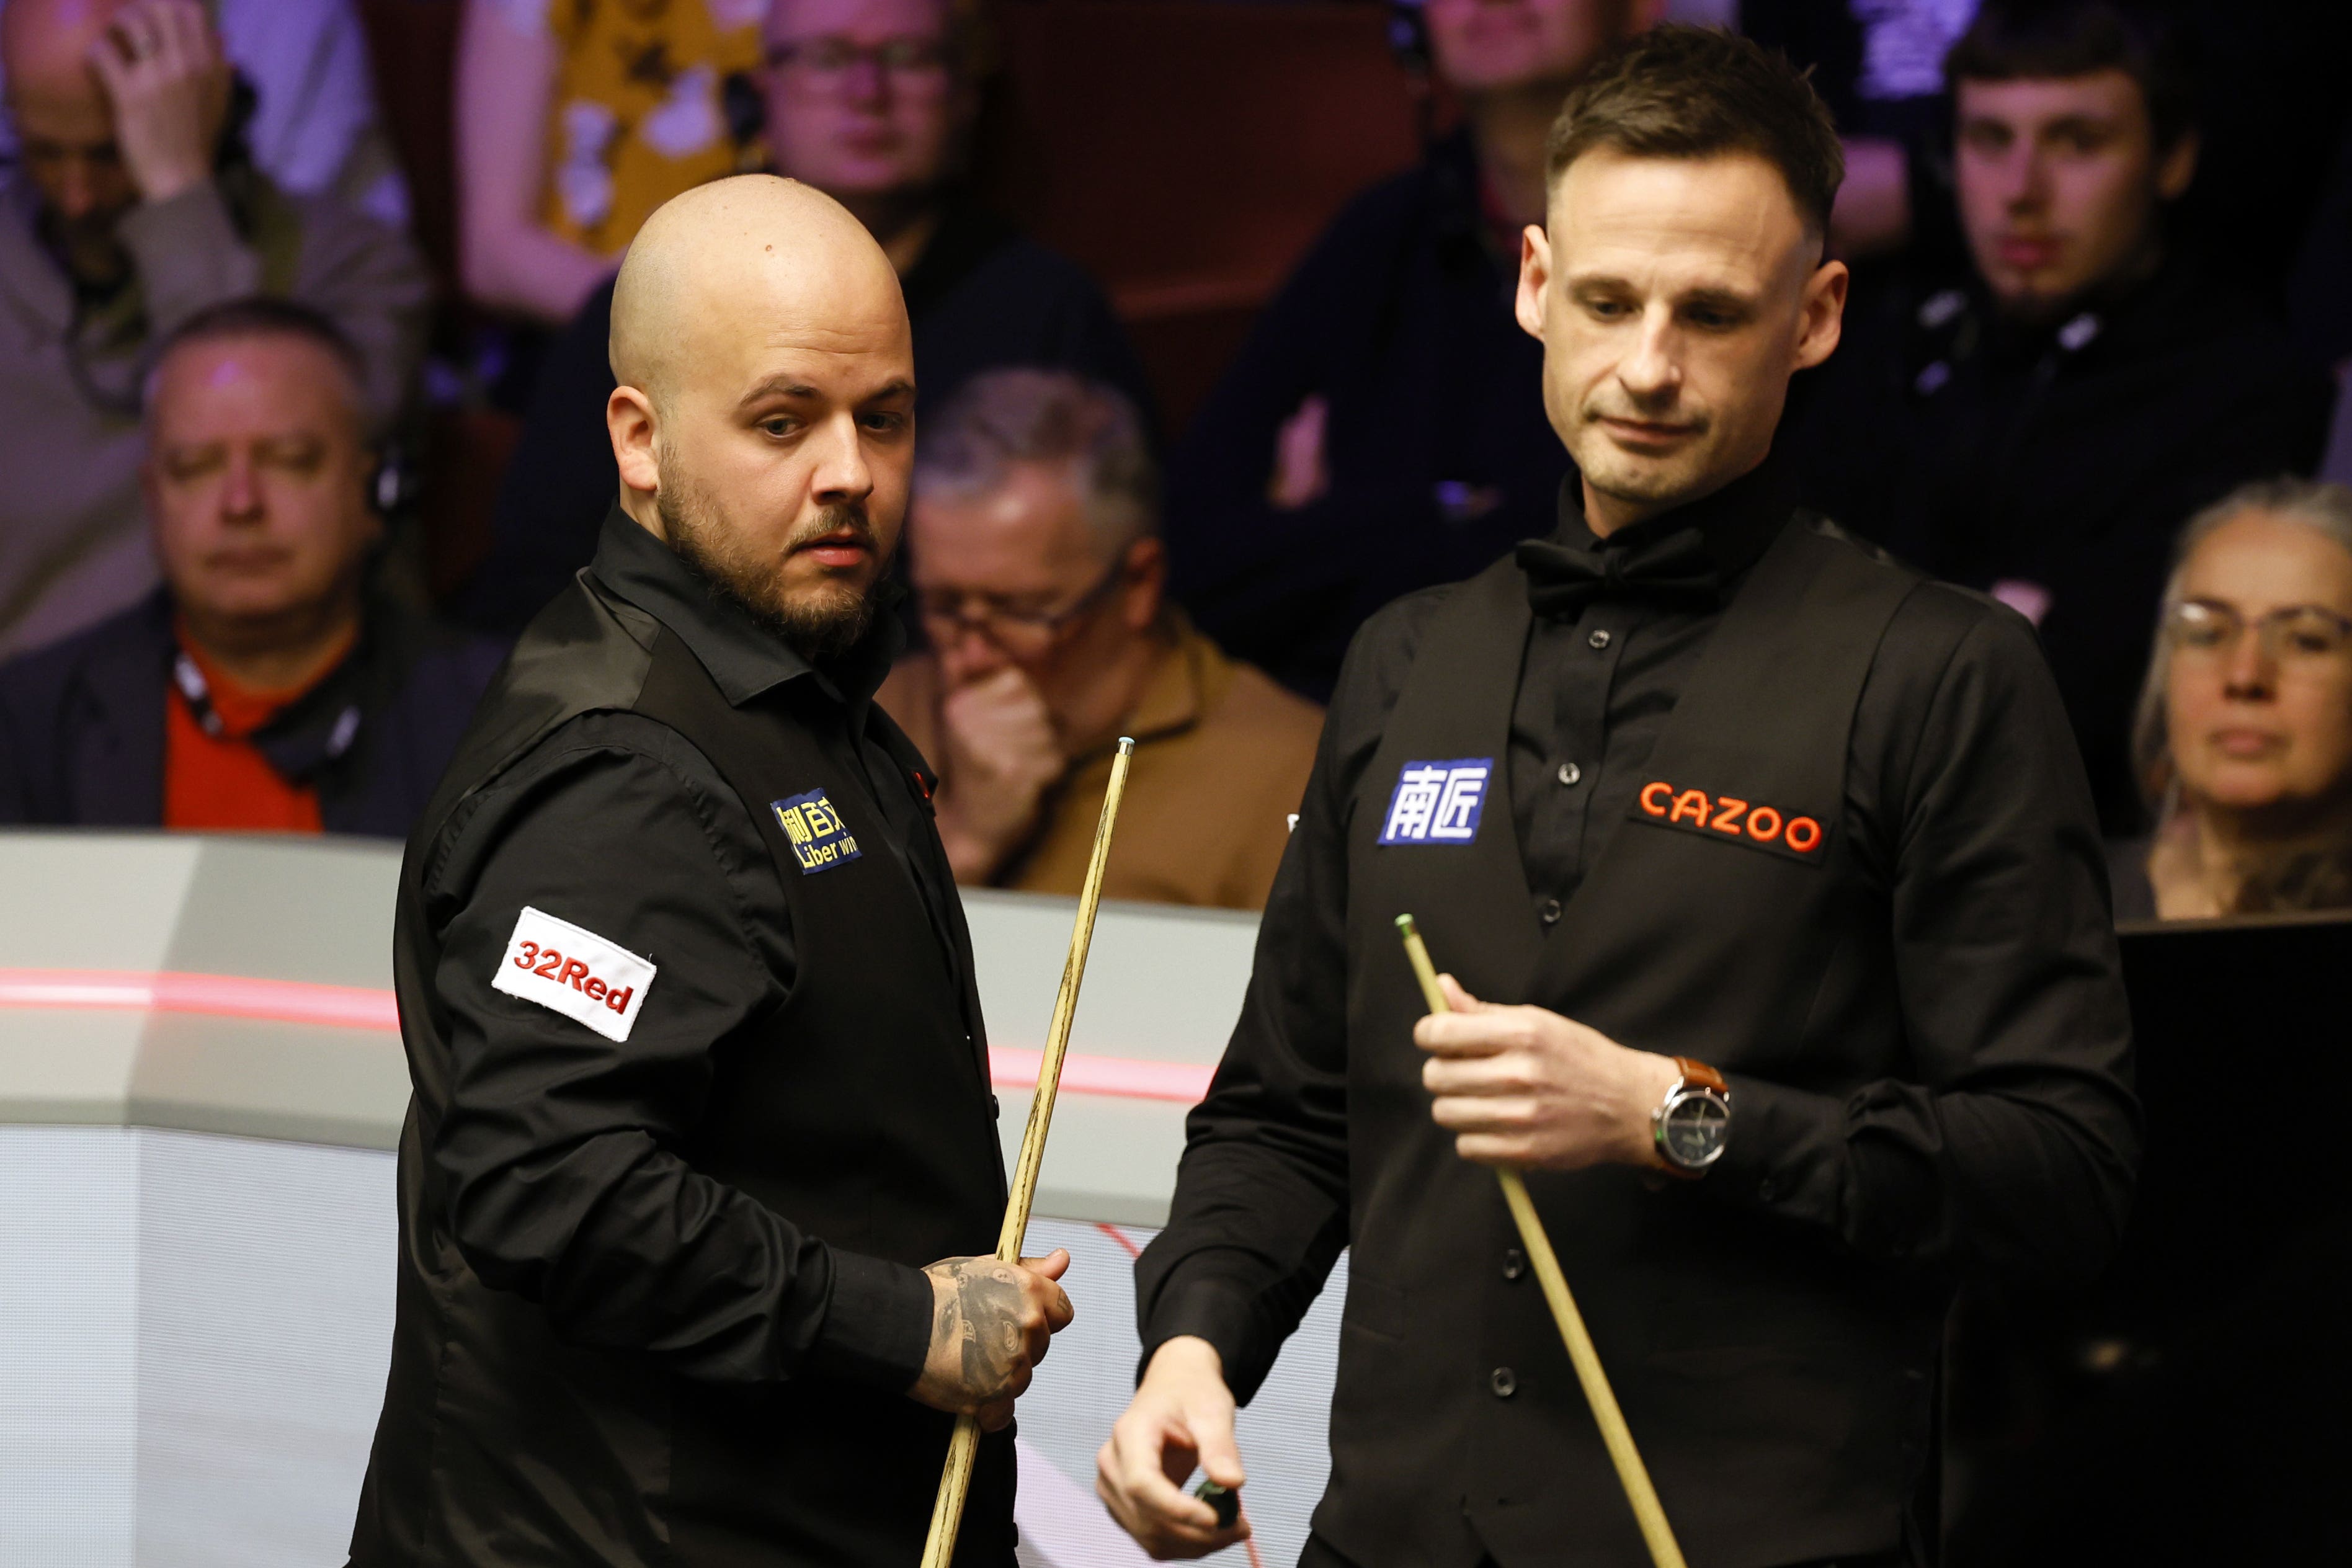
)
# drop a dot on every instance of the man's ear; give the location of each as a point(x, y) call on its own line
point(1820, 320)
point(2175, 167)
point(630, 421)
point(1535, 279)
point(1146, 582)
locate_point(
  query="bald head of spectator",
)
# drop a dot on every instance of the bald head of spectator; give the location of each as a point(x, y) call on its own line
point(2073, 133)
point(763, 424)
point(114, 103)
point(870, 101)
point(257, 482)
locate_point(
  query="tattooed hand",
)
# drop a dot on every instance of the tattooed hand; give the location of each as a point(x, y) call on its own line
point(991, 1324)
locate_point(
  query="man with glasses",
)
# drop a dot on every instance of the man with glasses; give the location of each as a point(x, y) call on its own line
point(871, 101)
point(1039, 578)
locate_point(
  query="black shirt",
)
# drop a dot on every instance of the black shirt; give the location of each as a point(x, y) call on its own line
point(1437, 451)
point(560, 1143)
point(2055, 463)
point(1978, 839)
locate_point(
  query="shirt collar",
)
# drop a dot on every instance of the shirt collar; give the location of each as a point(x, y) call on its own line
point(743, 658)
point(1737, 522)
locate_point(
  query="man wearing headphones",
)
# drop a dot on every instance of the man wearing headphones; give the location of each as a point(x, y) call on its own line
point(261, 686)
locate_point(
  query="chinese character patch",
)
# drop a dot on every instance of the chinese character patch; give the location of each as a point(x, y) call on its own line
point(574, 972)
point(820, 840)
point(1437, 803)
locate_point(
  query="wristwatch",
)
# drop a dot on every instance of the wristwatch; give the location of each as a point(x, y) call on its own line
point(1692, 1124)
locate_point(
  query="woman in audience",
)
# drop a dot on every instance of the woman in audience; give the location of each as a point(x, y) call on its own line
point(2244, 733)
point(575, 120)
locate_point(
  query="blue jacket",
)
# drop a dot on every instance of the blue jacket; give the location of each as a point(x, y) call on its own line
point(81, 723)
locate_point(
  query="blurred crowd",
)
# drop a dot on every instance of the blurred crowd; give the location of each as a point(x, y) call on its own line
point(2091, 368)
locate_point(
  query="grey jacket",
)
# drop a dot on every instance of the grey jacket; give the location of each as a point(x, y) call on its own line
point(73, 539)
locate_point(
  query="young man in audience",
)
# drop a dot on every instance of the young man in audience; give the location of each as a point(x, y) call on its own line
point(872, 102)
point(262, 686)
point(1038, 574)
point(2039, 426)
point(2243, 741)
point(1378, 432)
point(131, 207)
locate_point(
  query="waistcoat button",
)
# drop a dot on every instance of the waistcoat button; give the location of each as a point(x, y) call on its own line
point(1599, 639)
point(1570, 772)
point(1515, 1263)
point(1504, 1382)
point(1551, 911)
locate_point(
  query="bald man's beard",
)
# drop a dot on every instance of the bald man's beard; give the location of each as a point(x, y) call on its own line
point(820, 623)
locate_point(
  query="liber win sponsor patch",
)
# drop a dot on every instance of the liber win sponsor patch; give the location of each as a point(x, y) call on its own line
point(575, 972)
point(820, 839)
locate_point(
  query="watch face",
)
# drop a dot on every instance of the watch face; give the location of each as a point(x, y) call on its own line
point(1694, 1131)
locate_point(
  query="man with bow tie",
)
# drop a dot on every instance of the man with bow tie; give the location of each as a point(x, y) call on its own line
point(1780, 950)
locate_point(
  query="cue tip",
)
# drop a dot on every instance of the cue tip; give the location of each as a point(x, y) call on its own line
point(1126, 745)
point(1405, 923)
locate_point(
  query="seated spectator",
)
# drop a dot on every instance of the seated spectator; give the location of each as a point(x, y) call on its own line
point(1038, 575)
point(871, 101)
point(132, 208)
point(262, 686)
point(575, 120)
point(1379, 431)
point(2244, 737)
point(314, 127)
point(2041, 426)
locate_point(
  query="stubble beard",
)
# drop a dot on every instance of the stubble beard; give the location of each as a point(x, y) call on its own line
point(819, 624)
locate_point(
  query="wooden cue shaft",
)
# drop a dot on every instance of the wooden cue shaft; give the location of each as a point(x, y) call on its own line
point(955, 1476)
point(1632, 1474)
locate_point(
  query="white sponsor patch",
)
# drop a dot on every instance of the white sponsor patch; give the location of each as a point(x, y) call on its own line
point(577, 972)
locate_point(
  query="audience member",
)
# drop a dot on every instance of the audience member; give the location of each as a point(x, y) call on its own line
point(262, 686)
point(2039, 426)
point(1379, 431)
point(2244, 735)
point(132, 208)
point(1038, 574)
point(872, 102)
point(575, 120)
point(314, 127)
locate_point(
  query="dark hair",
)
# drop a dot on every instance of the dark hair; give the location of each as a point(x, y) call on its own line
point(263, 317)
point(2014, 39)
point(1680, 91)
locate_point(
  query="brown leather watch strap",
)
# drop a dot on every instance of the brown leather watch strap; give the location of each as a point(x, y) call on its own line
point(1698, 1075)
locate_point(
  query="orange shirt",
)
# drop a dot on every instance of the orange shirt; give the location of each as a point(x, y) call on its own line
point(223, 781)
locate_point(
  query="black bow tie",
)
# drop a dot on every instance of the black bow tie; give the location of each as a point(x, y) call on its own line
point(1564, 578)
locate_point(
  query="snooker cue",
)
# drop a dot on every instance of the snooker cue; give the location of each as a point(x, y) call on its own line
point(1631, 1473)
point(947, 1511)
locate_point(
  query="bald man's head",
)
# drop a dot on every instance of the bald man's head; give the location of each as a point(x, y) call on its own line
point(64, 115)
point(764, 420)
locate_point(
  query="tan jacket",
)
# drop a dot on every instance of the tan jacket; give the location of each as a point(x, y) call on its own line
point(1222, 756)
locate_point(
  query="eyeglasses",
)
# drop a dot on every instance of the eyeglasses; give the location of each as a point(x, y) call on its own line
point(1015, 627)
point(824, 64)
point(2291, 634)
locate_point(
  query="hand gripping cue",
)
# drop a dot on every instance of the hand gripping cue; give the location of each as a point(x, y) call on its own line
point(1655, 1532)
point(946, 1512)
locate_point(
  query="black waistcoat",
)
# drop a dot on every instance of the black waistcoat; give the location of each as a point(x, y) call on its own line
point(1779, 1394)
point(859, 1110)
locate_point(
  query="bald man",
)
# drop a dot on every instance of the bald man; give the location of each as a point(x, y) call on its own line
point(701, 1174)
point(130, 208)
